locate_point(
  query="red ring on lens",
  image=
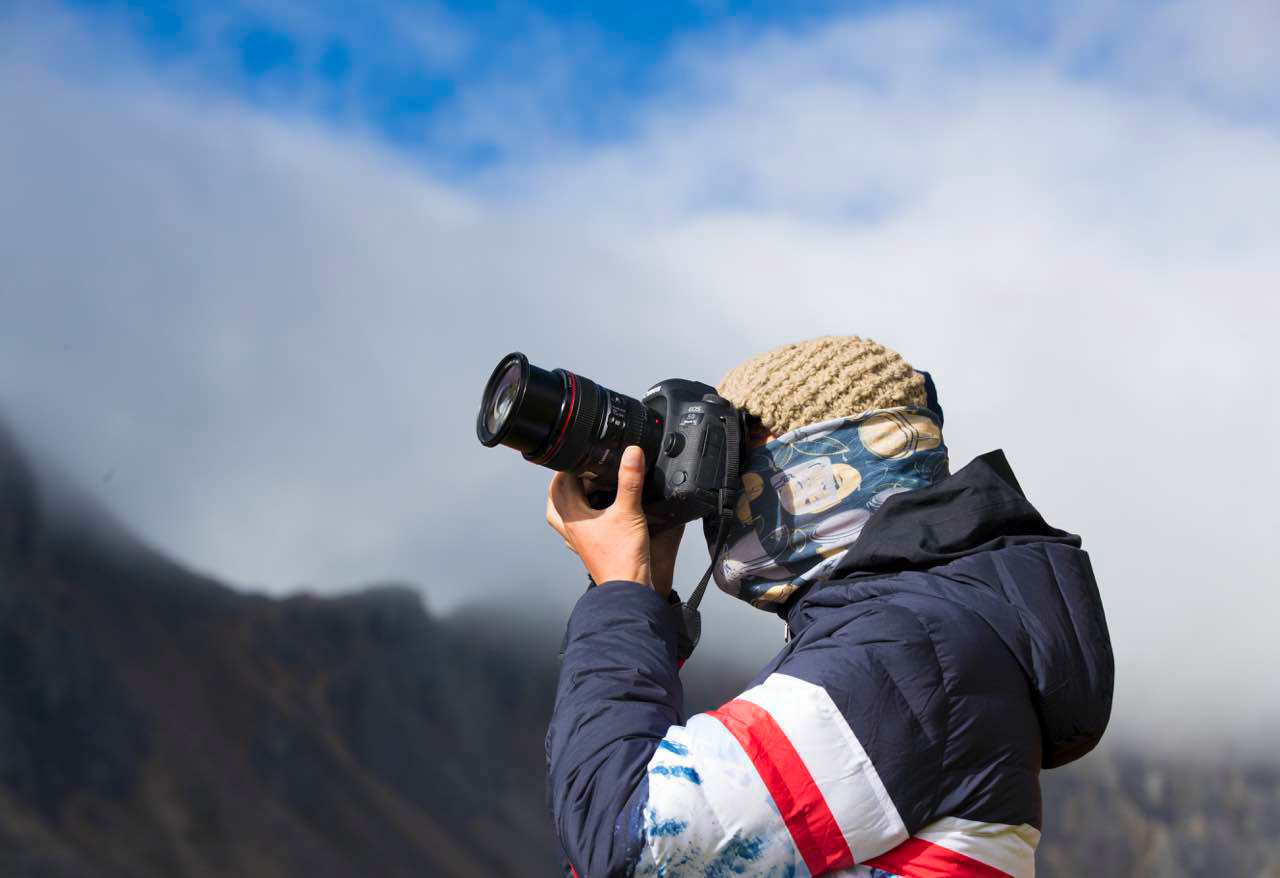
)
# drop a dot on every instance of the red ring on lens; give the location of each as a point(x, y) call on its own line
point(564, 429)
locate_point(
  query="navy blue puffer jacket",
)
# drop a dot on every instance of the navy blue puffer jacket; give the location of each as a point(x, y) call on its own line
point(960, 648)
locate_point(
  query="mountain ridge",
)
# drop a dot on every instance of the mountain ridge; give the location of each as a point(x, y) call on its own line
point(215, 731)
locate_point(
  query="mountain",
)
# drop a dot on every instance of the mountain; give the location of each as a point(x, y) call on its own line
point(155, 722)
point(1129, 814)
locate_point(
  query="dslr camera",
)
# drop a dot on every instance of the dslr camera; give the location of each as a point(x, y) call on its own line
point(693, 439)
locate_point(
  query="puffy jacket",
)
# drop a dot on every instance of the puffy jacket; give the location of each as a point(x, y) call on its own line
point(960, 648)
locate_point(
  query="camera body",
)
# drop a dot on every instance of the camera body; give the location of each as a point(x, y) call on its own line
point(696, 471)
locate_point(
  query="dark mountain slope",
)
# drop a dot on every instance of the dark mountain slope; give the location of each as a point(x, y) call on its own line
point(155, 722)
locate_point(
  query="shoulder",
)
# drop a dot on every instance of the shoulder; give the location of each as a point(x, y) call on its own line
point(916, 632)
point(933, 697)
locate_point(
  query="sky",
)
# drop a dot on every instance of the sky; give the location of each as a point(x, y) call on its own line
point(259, 263)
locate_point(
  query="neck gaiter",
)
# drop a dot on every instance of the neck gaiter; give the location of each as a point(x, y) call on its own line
point(807, 495)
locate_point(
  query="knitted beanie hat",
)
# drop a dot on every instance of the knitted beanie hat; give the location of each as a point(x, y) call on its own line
point(830, 377)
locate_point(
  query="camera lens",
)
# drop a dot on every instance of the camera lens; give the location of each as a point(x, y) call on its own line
point(504, 399)
point(521, 406)
point(563, 421)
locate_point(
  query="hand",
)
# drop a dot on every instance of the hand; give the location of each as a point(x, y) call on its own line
point(613, 543)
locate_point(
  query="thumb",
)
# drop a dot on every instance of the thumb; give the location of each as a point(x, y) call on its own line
point(630, 480)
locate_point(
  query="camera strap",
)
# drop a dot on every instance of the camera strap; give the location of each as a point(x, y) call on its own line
point(689, 609)
point(726, 499)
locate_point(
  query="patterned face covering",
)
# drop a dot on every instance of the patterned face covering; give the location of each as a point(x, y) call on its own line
point(807, 495)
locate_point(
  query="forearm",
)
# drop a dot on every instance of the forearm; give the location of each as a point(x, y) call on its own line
point(618, 695)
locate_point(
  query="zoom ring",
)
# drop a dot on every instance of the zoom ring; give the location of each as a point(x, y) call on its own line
point(576, 436)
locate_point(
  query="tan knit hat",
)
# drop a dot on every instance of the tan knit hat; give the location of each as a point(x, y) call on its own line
point(829, 377)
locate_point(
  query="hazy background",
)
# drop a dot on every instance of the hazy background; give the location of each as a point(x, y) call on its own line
point(258, 263)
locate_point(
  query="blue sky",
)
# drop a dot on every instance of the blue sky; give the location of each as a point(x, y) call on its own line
point(408, 71)
point(396, 68)
point(392, 66)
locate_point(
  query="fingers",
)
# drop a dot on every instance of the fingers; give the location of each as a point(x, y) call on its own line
point(630, 481)
point(553, 516)
point(564, 501)
point(570, 499)
point(554, 519)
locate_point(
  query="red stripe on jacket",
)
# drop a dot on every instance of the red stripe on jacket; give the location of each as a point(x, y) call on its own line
point(917, 858)
point(804, 811)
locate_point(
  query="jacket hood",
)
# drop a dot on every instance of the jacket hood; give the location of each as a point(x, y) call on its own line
point(974, 539)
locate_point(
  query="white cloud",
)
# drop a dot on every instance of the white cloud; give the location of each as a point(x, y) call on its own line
point(265, 343)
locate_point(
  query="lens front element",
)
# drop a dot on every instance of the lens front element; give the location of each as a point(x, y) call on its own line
point(504, 399)
point(522, 405)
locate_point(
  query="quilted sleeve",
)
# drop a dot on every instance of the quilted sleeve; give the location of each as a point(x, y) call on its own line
point(617, 696)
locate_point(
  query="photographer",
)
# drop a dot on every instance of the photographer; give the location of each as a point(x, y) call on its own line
point(945, 644)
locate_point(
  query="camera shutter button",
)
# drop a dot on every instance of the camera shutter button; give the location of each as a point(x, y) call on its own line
point(673, 444)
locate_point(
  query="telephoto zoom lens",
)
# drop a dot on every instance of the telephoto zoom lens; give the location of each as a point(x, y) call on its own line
point(562, 421)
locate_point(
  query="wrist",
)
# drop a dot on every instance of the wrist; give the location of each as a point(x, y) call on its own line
point(637, 577)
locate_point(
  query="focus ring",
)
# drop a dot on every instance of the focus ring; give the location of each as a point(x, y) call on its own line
point(577, 432)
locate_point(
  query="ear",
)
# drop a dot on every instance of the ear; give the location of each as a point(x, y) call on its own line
point(757, 433)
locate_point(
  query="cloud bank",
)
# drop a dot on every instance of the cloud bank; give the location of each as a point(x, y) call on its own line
point(262, 343)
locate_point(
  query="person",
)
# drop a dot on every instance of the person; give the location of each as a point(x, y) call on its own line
point(944, 645)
